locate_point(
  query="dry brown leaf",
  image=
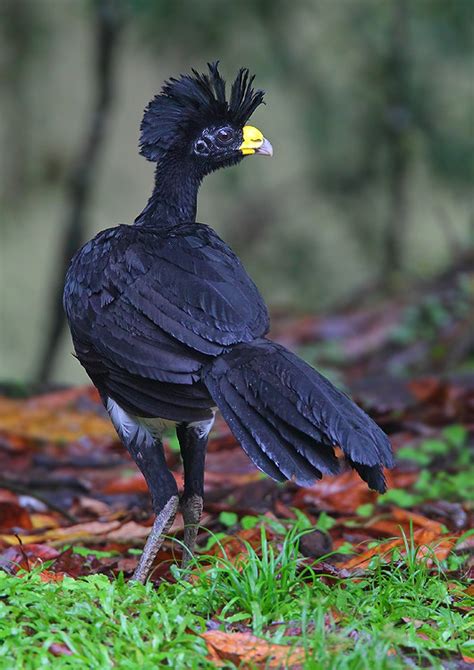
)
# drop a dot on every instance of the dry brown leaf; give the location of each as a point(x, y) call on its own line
point(213, 479)
point(27, 556)
point(233, 547)
point(401, 519)
point(132, 531)
point(132, 484)
point(13, 515)
point(91, 532)
point(36, 421)
point(343, 493)
point(43, 521)
point(67, 397)
point(425, 389)
point(428, 543)
point(58, 536)
point(93, 506)
point(128, 532)
point(8, 496)
point(405, 516)
point(49, 576)
point(246, 650)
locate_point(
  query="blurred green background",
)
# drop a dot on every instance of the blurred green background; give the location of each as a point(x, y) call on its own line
point(370, 108)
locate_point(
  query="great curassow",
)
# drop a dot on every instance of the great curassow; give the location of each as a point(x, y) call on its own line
point(170, 327)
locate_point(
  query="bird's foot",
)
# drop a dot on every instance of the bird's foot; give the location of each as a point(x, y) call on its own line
point(191, 509)
point(162, 524)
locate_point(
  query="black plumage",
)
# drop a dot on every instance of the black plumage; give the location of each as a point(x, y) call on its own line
point(168, 324)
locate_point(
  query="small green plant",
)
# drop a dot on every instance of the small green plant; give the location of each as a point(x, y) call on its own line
point(452, 440)
point(399, 497)
point(422, 321)
point(228, 519)
point(369, 621)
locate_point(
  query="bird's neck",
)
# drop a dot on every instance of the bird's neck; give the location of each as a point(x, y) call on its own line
point(174, 197)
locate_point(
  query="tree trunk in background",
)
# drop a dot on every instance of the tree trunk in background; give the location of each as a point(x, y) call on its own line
point(18, 33)
point(397, 123)
point(108, 20)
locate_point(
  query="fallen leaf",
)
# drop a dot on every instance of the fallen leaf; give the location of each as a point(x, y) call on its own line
point(43, 521)
point(426, 389)
point(80, 531)
point(59, 649)
point(39, 422)
point(67, 397)
point(129, 532)
point(428, 547)
point(26, 556)
point(8, 496)
point(49, 576)
point(343, 493)
point(134, 483)
point(93, 506)
point(401, 519)
point(246, 650)
point(233, 547)
point(407, 517)
point(13, 515)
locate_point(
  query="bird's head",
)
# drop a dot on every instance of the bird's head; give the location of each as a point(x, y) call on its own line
point(191, 119)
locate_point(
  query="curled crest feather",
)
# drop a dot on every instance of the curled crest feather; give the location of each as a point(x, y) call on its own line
point(192, 102)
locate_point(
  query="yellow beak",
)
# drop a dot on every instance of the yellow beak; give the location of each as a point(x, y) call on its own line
point(255, 143)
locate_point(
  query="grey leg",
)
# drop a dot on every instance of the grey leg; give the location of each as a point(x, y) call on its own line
point(146, 450)
point(192, 441)
point(191, 509)
point(150, 458)
point(163, 522)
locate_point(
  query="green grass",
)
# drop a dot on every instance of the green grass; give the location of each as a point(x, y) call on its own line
point(452, 480)
point(405, 607)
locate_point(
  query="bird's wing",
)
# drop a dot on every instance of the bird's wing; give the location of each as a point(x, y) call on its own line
point(158, 303)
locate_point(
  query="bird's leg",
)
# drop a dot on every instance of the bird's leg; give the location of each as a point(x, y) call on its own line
point(163, 521)
point(146, 449)
point(150, 458)
point(192, 441)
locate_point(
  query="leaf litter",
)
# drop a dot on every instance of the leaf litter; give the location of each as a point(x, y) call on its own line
point(72, 501)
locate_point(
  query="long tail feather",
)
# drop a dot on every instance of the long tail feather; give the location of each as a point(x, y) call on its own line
point(288, 417)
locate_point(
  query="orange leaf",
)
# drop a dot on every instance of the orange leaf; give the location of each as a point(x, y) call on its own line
point(37, 421)
point(343, 493)
point(49, 576)
point(80, 531)
point(43, 521)
point(134, 484)
point(401, 519)
point(425, 539)
point(13, 515)
point(426, 388)
point(233, 547)
point(404, 516)
point(246, 650)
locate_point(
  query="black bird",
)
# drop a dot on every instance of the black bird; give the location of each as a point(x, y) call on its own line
point(170, 327)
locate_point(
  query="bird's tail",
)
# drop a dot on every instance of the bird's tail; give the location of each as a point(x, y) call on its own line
point(288, 417)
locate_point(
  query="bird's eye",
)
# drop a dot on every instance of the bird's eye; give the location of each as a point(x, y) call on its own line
point(225, 135)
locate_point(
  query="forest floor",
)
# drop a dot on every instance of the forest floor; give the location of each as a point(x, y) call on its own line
point(332, 576)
